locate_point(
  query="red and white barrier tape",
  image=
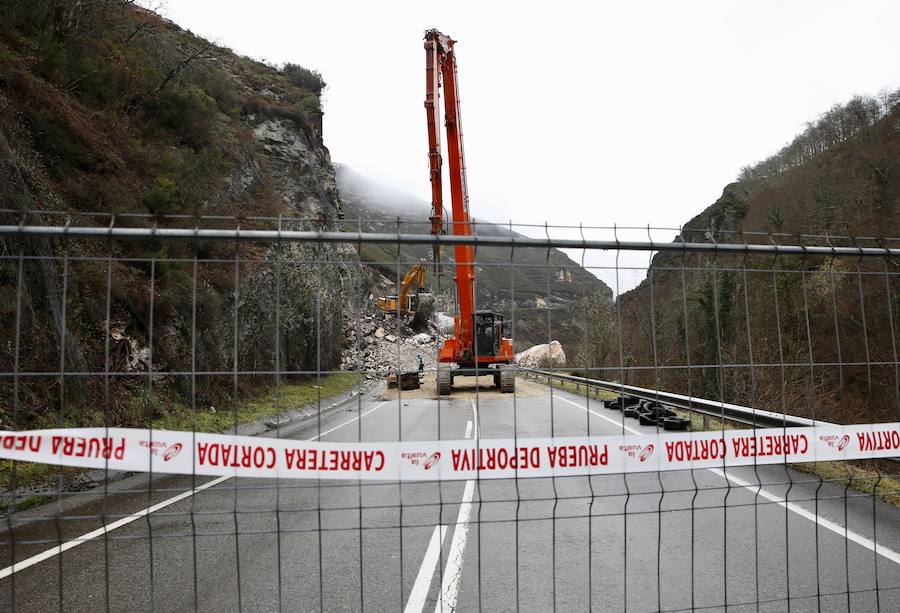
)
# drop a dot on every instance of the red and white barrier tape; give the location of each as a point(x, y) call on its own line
point(200, 453)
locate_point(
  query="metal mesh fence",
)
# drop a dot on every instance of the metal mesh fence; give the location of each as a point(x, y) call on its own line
point(269, 328)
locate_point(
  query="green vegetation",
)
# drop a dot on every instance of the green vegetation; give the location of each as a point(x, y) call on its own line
point(177, 416)
point(582, 390)
point(859, 476)
point(288, 397)
point(25, 503)
point(29, 474)
point(108, 108)
point(702, 422)
point(304, 78)
point(840, 123)
point(810, 336)
point(161, 198)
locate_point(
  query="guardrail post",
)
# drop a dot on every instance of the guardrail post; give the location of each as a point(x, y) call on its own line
point(705, 421)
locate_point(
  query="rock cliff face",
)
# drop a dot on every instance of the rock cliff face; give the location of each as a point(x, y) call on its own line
point(118, 111)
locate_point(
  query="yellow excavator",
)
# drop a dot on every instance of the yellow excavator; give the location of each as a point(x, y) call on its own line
point(413, 300)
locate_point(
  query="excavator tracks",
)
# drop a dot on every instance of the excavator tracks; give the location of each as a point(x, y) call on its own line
point(444, 382)
point(506, 380)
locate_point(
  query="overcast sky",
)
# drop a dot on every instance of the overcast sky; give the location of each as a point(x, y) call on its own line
point(631, 113)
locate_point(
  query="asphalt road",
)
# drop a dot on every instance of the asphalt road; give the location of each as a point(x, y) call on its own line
point(643, 542)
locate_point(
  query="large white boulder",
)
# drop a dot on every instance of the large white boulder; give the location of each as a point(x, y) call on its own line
point(444, 323)
point(548, 355)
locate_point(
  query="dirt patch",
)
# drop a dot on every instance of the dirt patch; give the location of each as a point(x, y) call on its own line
point(465, 388)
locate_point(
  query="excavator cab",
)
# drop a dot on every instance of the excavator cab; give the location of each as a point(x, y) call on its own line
point(488, 333)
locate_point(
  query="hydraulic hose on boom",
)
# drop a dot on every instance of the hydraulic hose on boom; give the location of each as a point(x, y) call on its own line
point(478, 341)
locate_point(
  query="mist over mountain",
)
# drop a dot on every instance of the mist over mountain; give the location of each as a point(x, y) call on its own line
point(543, 292)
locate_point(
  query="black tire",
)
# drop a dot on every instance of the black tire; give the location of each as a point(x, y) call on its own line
point(507, 380)
point(444, 382)
point(658, 411)
point(647, 419)
point(675, 423)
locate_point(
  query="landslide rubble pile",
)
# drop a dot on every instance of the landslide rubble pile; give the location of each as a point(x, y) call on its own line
point(378, 345)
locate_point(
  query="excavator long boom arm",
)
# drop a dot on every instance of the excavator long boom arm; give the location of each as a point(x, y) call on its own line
point(441, 68)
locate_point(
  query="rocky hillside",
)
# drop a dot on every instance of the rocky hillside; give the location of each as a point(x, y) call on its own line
point(549, 293)
point(841, 177)
point(106, 108)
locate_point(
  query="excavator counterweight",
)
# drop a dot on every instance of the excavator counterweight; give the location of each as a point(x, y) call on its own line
point(478, 345)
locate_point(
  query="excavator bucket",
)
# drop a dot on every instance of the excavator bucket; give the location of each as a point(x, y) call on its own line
point(424, 311)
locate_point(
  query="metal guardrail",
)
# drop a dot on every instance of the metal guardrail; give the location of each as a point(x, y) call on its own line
point(713, 408)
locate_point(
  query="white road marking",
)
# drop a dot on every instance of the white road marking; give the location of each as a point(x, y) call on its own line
point(63, 547)
point(618, 424)
point(50, 553)
point(422, 586)
point(453, 571)
point(835, 527)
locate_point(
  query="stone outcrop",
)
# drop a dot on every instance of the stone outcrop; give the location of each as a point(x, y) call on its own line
point(548, 355)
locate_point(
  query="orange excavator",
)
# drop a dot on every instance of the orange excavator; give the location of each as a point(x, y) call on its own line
point(413, 299)
point(478, 345)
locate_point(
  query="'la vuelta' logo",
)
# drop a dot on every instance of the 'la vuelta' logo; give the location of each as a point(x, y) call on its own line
point(634, 450)
point(837, 442)
point(431, 460)
point(171, 452)
point(421, 458)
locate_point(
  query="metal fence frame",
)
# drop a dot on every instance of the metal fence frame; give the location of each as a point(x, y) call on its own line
point(886, 249)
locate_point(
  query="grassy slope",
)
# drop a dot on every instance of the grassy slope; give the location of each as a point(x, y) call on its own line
point(286, 398)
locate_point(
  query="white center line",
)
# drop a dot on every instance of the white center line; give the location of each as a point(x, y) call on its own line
point(835, 527)
point(63, 547)
point(453, 571)
point(420, 589)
